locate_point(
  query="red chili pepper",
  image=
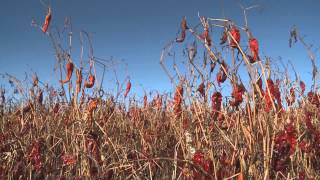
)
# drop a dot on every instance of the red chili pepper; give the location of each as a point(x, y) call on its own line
point(235, 33)
point(254, 47)
point(127, 89)
point(47, 20)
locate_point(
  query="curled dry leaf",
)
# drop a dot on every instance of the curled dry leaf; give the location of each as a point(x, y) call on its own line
point(69, 67)
point(302, 88)
point(78, 81)
point(201, 89)
point(254, 47)
point(178, 97)
point(235, 33)
point(47, 21)
point(184, 27)
point(68, 159)
point(224, 38)
point(212, 66)
point(206, 36)
point(90, 82)
point(145, 101)
point(127, 89)
point(237, 92)
point(35, 80)
point(222, 76)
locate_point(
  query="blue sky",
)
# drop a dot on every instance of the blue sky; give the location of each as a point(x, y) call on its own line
point(136, 31)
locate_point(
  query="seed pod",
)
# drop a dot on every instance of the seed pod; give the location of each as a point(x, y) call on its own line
point(69, 67)
point(127, 89)
point(236, 36)
point(47, 21)
point(254, 47)
point(90, 82)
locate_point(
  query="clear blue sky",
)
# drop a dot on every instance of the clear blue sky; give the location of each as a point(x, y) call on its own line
point(137, 30)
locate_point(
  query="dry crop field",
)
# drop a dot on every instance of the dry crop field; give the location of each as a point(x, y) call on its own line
point(267, 128)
